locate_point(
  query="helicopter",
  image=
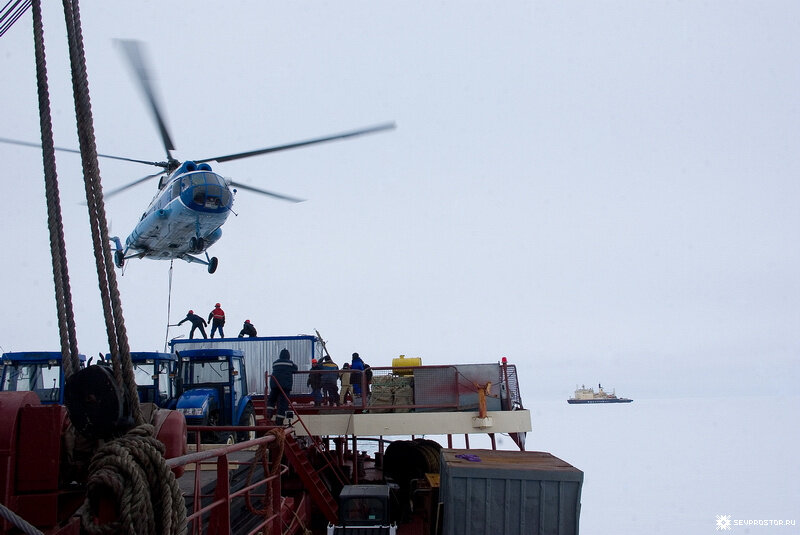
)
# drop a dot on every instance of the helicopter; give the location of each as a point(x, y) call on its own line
point(185, 217)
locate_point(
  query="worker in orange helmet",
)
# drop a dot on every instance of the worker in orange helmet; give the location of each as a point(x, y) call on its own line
point(217, 319)
point(248, 329)
point(197, 323)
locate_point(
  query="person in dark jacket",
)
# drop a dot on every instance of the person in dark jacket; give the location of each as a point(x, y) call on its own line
point(315, 382)
point(248, 329)
point(282, 374)
point(330, 380)
point(217, 319)
point(197, 323)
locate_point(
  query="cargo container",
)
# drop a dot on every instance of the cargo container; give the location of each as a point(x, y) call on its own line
point(259, 354)
point(510, 492)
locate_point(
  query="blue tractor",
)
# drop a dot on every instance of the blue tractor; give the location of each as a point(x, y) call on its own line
point(154, 373)
point(35, 371)
point(212, 390)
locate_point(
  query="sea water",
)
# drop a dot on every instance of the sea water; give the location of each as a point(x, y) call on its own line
point(687, 465)
point(674, 466)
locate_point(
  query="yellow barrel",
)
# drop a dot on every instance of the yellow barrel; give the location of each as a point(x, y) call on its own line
point(402, 362)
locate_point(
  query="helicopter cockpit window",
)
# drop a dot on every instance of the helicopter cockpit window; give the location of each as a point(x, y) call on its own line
point(208, 189)
point(176, 189)
point(213, 178)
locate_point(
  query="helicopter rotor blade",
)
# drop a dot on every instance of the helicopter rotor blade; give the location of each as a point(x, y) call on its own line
point(135, 54)
point(111, 193)
point(342, 135)
point(75, 151)
point(264, 192)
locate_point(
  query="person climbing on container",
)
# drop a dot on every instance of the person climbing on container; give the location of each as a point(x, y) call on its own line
point(248, 329)
point(315, 382)
point(217, 319)
point(356, 367)
point(283, 370)
point(197, 323)
point(347, 388)
point(330, 380)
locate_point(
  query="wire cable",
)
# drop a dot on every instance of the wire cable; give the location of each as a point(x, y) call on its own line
point(169, 306)
point(12, 13)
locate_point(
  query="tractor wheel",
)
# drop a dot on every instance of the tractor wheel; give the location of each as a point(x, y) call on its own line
point(248, 419)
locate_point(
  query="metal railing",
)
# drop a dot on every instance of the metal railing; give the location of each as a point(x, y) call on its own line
point(414, 389)
point(213, 511)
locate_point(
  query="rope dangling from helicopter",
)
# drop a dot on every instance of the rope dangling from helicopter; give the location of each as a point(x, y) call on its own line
point(58, 251)
point(169, 306)
point(130, 469)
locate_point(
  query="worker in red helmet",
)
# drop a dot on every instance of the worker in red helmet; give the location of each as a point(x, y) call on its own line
point(197, 323)
point(248, 329)
point(217, 319)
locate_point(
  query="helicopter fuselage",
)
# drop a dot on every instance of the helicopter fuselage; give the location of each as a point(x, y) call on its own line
point(185, 217)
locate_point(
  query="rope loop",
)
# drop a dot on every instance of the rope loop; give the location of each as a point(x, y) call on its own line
point(131, 485)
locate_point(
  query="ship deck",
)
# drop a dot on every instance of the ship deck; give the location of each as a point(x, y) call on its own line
point(412, 423)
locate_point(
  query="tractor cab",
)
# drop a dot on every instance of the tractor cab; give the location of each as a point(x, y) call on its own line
point(35, 371)
point(212, 386)
point(154, 373)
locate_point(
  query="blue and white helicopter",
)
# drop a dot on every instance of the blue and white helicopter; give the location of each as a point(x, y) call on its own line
point(185, 217)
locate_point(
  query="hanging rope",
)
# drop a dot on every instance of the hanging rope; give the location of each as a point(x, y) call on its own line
point(58, 251)
point(129, 471)
point(112, 304)
point(169, 306)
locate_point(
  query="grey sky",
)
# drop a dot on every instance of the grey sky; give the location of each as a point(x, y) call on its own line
point(599, 191)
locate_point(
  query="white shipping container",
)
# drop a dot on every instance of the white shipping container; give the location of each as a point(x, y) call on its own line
point(260, 353)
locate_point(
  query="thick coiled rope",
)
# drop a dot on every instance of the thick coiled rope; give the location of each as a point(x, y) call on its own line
point(130, 471)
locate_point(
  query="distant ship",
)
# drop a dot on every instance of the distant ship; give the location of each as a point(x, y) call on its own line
point(588, 395)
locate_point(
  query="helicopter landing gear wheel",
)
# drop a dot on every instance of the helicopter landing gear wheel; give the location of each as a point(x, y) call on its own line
point(119, 259)
point(212, 264)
